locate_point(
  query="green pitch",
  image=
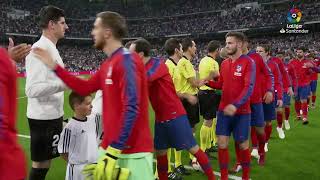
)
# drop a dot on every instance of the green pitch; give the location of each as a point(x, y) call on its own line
point(295, 157)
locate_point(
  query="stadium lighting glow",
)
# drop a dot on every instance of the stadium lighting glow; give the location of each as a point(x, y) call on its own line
point(248, 7)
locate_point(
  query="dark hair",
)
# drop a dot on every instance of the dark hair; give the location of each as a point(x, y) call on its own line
point(301, 48)
point(170, 45)
point(115, 22)
point(186, 43)
point(49, 13)
point(238, 35)
point(144, 46)
point(266, 47)
point(213, 46)
point(75, 98)
point(128, 44)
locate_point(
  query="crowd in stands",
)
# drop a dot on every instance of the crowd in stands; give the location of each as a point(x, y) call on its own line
point(86, 58)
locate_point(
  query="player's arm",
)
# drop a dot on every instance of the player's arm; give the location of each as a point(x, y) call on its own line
point(293, 75)
point(66, 142)
point(37, 84)
point(187, 71)
point(81, 86)
point(285, 76)
point(249, 81)
point(278, 80)
point(269, 76)
point(157, 71)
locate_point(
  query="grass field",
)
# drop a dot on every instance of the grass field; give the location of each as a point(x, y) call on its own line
point(294, 158)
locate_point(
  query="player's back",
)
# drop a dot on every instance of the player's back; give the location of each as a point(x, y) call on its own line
point(125, 101)
point(256, 96)
point(12, 160)
point(162, 93)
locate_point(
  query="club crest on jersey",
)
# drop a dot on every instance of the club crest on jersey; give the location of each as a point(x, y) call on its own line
point(238, 71)
point(109, 75)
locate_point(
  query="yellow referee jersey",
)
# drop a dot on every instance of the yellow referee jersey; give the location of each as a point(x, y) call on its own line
point(186, 71)
point(174, 73)
point(206, 66)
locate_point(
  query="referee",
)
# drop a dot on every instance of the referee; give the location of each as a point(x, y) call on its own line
point(45, 94)
point(208, 99)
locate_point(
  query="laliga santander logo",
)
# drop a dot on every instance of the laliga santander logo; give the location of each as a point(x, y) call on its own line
point(294, 15)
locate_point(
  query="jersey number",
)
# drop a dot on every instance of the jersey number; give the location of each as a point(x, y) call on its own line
point(55, 140)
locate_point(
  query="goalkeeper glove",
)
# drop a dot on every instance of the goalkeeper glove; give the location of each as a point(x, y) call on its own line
point(105, 167)
point(119, 173)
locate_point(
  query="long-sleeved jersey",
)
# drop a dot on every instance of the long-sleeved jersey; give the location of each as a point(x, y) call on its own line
point(292, 74)
point(263, 77)
point(162, 94)
point(123, 81)
point(302, 71)
point(237, 79)
point(12, 159)
point(278, 86)
point(314, 74)
point(285, 77)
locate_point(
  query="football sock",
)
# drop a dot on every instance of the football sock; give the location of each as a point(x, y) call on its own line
point(223, 157)
point(169, 160)
point(279, 119)
point(304, 107)
point(245, 163)
point(287, 112)
point(314, 99)
point(177, 158)
point(268, 130)
point(205, 164)
point(38, 173)
point(162, 167)
point(204, 137)
point(297, 106)
point(262, 141)
point(254, 140)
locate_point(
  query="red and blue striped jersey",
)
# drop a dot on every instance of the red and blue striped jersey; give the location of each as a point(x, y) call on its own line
point(123, 81)
point(237, 80)
point(162, 94)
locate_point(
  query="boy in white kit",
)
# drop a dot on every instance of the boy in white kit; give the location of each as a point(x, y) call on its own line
point(80, 138)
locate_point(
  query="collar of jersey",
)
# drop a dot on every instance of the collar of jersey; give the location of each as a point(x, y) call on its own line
point(80, 119)
point(116, 51)
point(172, 61)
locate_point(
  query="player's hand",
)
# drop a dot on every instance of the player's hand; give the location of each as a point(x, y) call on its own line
point(290, 91)
point(214, 74)
point(192, 99)
point(106, 165)
point(88, 170)
point(19, 52)
point(201, 83)
point(268, 96)
point(279, 103)
point(309, 65)
point(45, 57)
point(230, 110)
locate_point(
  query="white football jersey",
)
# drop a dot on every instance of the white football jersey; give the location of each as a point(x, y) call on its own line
point(80, 139)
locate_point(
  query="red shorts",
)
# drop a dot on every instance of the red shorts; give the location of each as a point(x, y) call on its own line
point(12, 163)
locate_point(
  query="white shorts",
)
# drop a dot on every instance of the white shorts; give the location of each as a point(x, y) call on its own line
point(74, 172)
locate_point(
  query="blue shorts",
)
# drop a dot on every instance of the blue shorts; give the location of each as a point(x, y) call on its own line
point(313, 86)
point(176, 133)
point(239, 125)
point(286, 99)
point(269, 111)
point(257, 117)
point(303, 93)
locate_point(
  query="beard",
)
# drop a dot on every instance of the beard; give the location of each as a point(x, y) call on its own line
point(232, 52)
point(99, 45)
point(300, 56)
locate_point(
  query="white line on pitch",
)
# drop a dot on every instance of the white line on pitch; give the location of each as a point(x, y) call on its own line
point(23, 136)
point(21, 97)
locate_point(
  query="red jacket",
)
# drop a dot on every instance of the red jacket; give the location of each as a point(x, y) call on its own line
point(123, 81)
point(162, 94)
point(12, 159)
point(237, 79)
point(303, 73)
point(285, 77)
point(263, 77)
point(292, 74)
point(278, 87)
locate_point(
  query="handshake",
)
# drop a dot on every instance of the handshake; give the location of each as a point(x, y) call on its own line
point(106, 168)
